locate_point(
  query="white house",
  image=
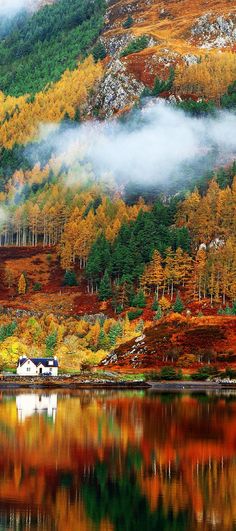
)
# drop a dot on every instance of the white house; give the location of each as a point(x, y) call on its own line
point(33, 404)
point(36, 366)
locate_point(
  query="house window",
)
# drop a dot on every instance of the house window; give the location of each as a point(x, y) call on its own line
point(50, 363)
point(28, 369)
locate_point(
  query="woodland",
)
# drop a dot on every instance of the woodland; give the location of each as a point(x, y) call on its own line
point(138, 260)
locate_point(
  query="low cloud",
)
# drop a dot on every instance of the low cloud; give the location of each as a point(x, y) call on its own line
point(152, 147)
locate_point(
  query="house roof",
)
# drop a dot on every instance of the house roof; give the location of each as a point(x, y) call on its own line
point(46, 362)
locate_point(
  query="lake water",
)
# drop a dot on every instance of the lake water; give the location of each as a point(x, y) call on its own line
point(122, 461)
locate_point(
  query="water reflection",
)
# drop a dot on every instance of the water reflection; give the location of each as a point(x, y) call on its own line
point(112, 461)
point(31, 404)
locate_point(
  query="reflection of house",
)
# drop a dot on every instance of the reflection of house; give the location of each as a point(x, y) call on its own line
point(36, 366)
point(30, 404)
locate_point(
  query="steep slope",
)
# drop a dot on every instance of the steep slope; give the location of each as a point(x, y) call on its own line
point(177, 30)
point(181, 341)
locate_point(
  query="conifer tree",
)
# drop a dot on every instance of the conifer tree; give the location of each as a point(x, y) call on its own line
point(105, 291)
point(178, 305)
point(70, 278)
point(140, 299)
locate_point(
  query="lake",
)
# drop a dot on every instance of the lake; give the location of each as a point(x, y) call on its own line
point(117, 461)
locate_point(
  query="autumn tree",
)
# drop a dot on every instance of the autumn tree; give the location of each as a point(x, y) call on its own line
point(22, 285)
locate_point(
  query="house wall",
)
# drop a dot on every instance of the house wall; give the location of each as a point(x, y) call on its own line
point(29, 369)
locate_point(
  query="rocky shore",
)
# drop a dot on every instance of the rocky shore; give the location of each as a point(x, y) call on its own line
point(109, 382)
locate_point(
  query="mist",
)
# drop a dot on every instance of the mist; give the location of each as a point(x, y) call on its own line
point(9, 8)
point(153, 147)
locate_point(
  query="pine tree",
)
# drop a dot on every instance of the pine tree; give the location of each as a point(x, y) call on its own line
point(158, 314)
point(51, 342)
point(178, 305)
point(128, 22)
point(99, 51)
point(104, 342)
point(155, 305)
point(70, 278)
point(140, 300)
point(105, 291)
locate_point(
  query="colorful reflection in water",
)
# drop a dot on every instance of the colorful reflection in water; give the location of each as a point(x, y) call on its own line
point(117, 461)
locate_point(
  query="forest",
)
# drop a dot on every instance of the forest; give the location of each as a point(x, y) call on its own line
point(110, 258)
point(48, 43)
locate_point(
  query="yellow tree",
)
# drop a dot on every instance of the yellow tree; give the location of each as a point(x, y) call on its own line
point(22, 285)
point(153, 275)
point(200, 273)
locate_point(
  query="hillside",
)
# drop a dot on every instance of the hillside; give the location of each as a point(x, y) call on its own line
point(180, 342)
point(118, 181)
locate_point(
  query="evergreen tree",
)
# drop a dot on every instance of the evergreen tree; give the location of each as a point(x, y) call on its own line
point(155, 305)
point(178, 305)
point(103, 341)
point(105, 291)
point(51, 342)
point(70, 278)
point(128, 22)
point(158, 314)
point(140, 300)
point(99, 51)
point(115, 332)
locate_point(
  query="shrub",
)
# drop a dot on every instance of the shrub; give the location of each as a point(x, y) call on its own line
point(134, 314)
point(128, 22)
point(7, 330)
point(37, 286)
point(205, 372)
point(161, 85)
point(153, 375)
point(230, 373)
point(198, 108)
point(135, 46)
point(169, 373)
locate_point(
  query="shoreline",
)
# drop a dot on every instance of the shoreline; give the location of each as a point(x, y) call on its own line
point(73, 383)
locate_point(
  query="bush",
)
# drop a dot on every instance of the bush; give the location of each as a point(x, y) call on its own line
point(161, 85)
point(134, 314)
point(205, 372)
point(229, 373)
point(128, 22)
point(153, 375)
point(169, 373)
point(7, 330)
point(37, 286)
point(198, 108)
point(135, 46)
point(228, 100)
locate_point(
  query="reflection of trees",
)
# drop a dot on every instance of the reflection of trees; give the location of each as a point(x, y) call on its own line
point(119, 498)
point(116, 458)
